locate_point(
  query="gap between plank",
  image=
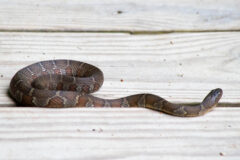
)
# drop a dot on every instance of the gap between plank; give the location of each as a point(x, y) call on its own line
point(115, 31)
point(222, 105)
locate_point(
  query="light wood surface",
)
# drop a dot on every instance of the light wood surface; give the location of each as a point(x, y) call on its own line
point(120, 15)
point(179, 67)
point(78, 133)
point(130, 41)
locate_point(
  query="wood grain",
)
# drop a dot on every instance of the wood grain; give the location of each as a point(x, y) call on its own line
point(179, 67)
point(120, 15)
point(34, 133)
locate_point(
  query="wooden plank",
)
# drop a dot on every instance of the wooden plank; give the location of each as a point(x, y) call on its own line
point(120, 15)
point(35, 133)
point(178, 67)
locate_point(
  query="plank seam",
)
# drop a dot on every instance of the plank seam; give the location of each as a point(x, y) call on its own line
point(114, 31)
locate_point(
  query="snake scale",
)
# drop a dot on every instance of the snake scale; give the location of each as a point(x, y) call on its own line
point(68, 83)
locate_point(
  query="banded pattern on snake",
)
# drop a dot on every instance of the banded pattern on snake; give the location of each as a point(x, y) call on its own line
point(68, 83)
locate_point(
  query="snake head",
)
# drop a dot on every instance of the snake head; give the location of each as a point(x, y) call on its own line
point(217, 93)
point(213, 98)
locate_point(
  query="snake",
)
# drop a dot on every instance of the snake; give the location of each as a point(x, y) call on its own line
point(66, 83)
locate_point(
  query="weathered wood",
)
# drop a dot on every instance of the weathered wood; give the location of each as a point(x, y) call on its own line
point(77, 133)
point(178, 67)
point(120, 15)
point(181, 67)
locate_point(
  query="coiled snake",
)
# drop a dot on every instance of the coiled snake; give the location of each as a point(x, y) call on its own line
point(68, 83)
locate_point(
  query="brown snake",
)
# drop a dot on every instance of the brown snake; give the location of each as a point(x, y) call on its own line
point(68, 83)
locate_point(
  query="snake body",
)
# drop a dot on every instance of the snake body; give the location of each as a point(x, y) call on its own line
point(68, 83)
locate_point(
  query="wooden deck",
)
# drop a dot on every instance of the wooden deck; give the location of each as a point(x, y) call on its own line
point(179, 50)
